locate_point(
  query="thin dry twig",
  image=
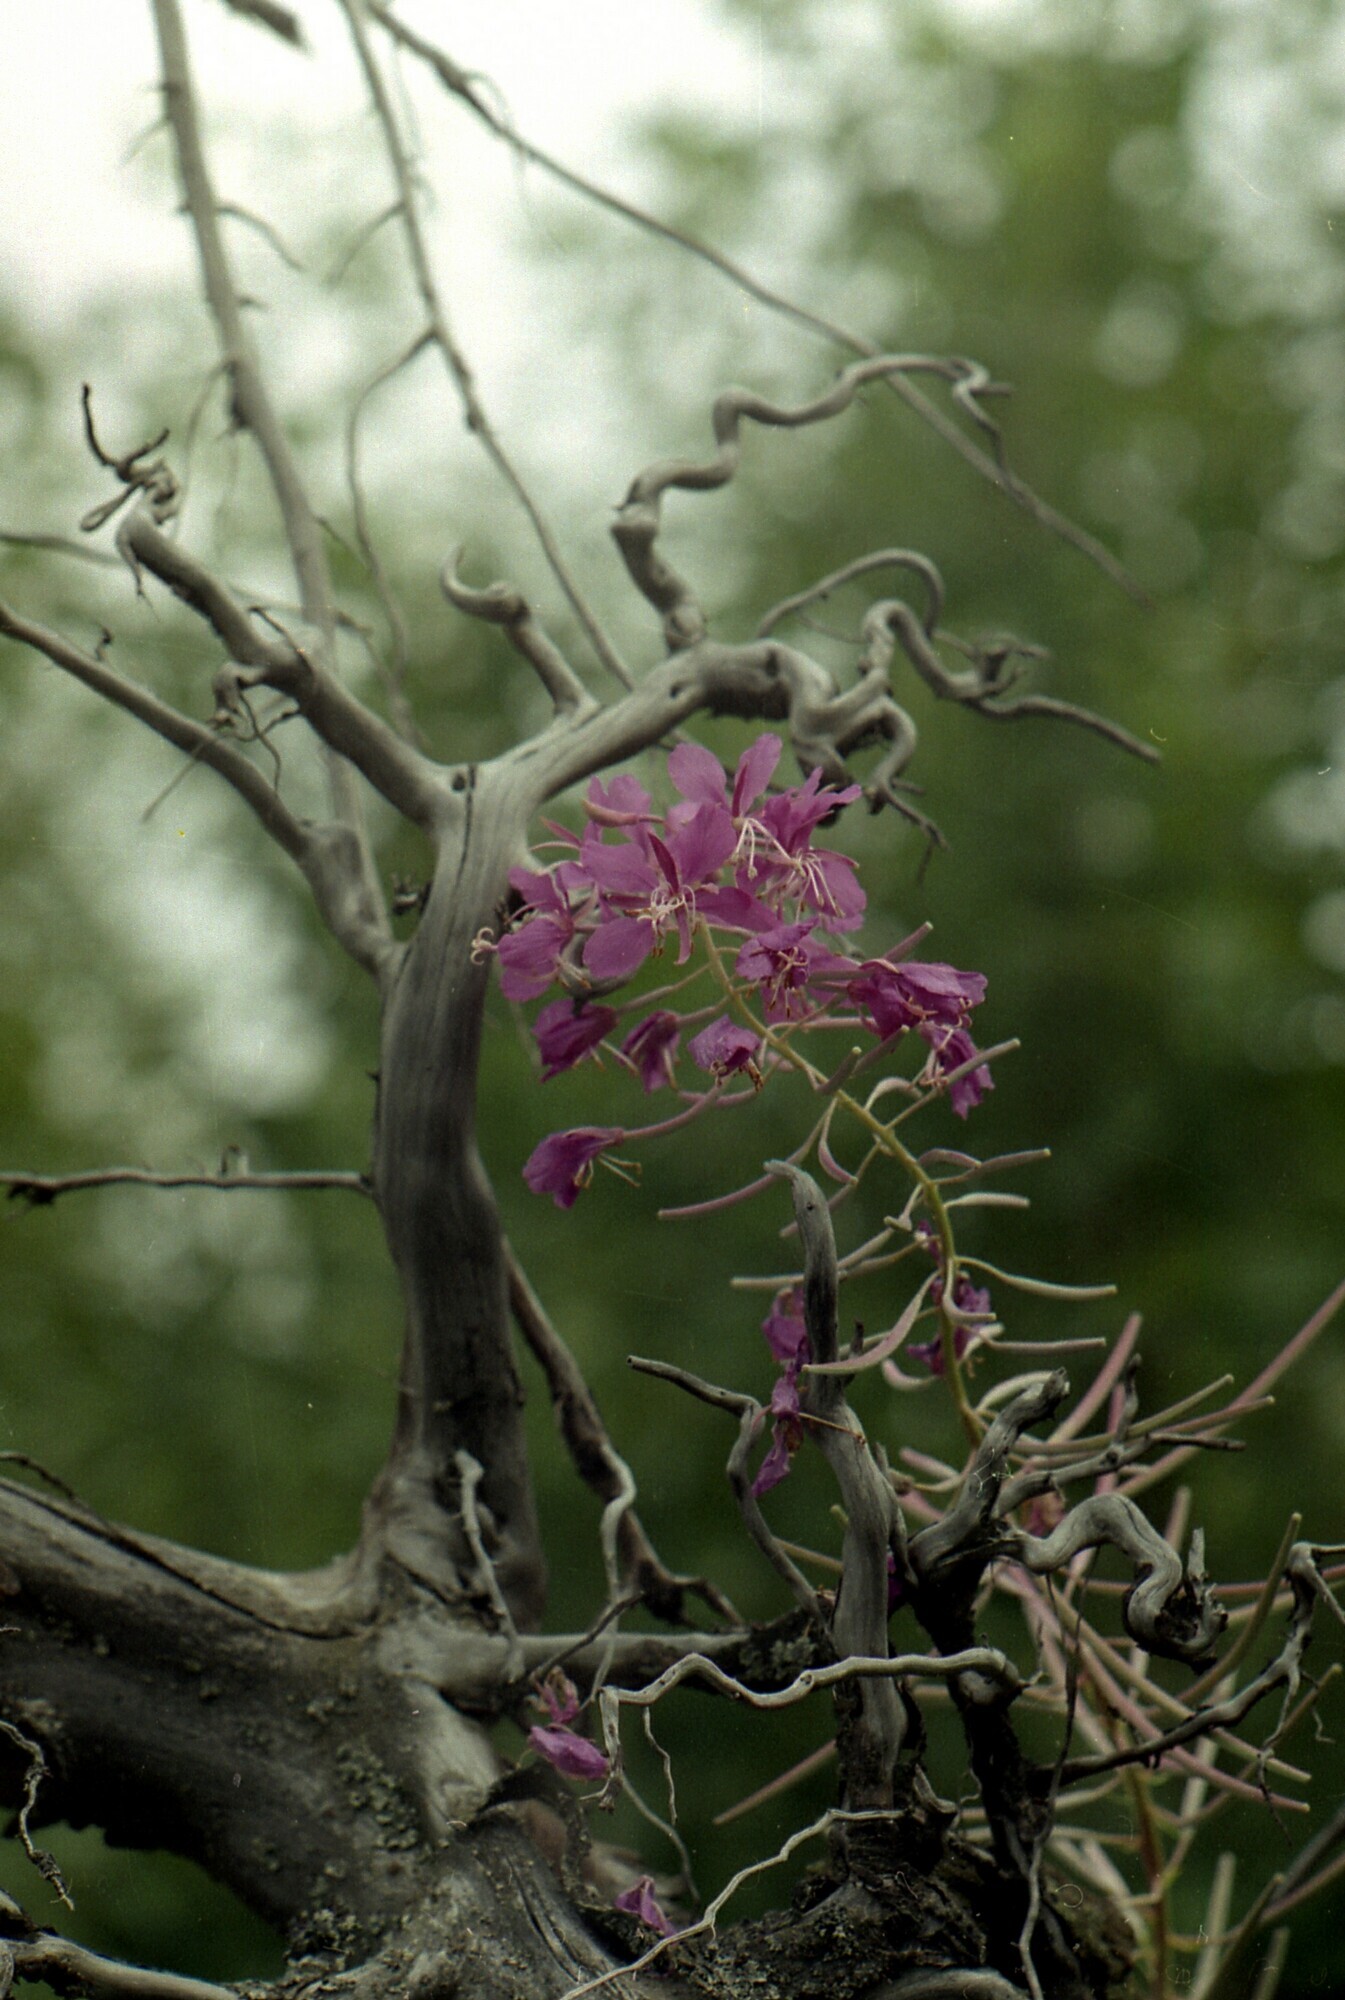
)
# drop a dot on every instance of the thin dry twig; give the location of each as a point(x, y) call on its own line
point(38, 1190)
point(990, 465)
point(441, 333)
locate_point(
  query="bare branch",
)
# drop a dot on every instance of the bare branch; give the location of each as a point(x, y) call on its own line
point(706, 1924)
point(441, 333)
point(250, 403)
point(991, 466)
point(72, 1969)
point(34, 1773)
point(816, 593)
point(61, 545)
point(628, 1554)
point(500, 604)
point(984, 686)
point(232, 212)
point(325, 855)
point(750, 1417)
point(268, 14)
point(1284, 1671)
point(874, 1532)
point(762, 679)
point(195, 738)
point(38, 1190)
point(404, 776)
point(638, 520)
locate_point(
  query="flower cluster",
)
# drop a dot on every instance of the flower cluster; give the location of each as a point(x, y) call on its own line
point(739, 869)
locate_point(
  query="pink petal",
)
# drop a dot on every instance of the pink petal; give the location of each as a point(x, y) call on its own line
point(618, 947)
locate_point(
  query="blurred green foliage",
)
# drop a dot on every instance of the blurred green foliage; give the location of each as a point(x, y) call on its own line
point(1128, 213)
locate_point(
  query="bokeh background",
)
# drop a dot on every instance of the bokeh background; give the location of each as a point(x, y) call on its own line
point(1131, 212)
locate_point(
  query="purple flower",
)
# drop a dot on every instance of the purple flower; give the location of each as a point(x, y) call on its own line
point(951, 1049)
point(638, 1901)
point(572, 1755)
point(786, 1334)
point(914, 994)
point(967, 1298)
point(931, 1351)
point(775, 1466)
point(646, 894)
point(530, 953)
point(935, 1000)
point(896, 1584)
point(567, 1031)
point(652, 1047)
point(563, 1162)
point(815, 876)
point(724, 1048)
point(782, 963)
point(792, 815)
point(786, 1430)
point(699, 776)
point(558, 1697)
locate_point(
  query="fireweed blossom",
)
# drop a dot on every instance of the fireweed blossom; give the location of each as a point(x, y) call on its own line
point(935, 1000)
point(639, 1901)
point(651, 1048)
point(738, 868)
point(968, 1298)
point(563, 1163)
point(562, 1747)
point(566, 1031)
point(773, 855)
point(724, 1048)
point(787, 1337)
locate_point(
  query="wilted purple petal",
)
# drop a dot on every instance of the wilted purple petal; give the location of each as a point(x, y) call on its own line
point(638, 1901)
point(652, 1047)
point(783, 1326)
point(952, 1048)
point(566, 1032)
point(915, 994)
point(563, 1162)
point(724, 1047)
point(966, 1093)
point(931, 1351)
point(573, 1755)
point(559, 1696)
point(775, 1466)
point(784, 1403)
point(969, 1298)
point(945, 992)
